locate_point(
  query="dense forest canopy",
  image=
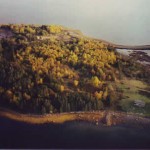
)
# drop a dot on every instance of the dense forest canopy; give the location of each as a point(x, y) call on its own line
point(49, 69)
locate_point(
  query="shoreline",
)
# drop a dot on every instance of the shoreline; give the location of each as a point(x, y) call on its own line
point(57, 118)
point(104, 117)
point(119, 46)
point(126, 47)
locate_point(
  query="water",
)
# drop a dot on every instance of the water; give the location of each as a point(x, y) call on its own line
point(71, 135)
point(121, 22)
point(128, 52)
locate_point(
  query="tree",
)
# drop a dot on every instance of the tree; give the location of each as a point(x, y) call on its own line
point(26, 96)
point(30, 30)
point(76, 83)
point(55, 29)
point(105, 94)
point(1, 48)
point(61, 88)
point(95, 81)
point(99, 105)
point(43, 111)
point(98, 95)
point(21, 30)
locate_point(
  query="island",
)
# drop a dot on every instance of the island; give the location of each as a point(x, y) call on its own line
point(54, 74)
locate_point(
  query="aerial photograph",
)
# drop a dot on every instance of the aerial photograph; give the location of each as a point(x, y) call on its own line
point(74, 74)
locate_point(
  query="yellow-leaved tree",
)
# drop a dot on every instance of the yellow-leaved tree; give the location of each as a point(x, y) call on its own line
point(95, 81)
point(76, 83)
point(98, 95)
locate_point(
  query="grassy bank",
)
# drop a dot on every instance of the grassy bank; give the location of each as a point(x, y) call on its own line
point(131, 92)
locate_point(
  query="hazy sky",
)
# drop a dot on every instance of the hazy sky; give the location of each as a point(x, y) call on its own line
point(119, 21)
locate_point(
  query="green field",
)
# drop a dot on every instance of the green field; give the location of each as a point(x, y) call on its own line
point(131, 92)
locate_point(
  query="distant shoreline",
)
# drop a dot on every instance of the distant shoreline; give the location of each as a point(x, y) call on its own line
point(127, 47)
point(142, 47)
point(5, 34)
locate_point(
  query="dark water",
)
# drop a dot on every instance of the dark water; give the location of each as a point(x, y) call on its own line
point(71, 135)
point(118, 21)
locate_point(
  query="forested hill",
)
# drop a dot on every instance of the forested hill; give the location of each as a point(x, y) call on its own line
point(48, 69)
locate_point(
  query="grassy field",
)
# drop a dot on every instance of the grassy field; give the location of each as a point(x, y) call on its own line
point(131, 93)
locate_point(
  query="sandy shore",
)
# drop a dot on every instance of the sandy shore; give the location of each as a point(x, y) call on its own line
point(108, 118)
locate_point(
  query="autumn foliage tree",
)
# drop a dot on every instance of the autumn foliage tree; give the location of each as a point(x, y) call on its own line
point(47, 69)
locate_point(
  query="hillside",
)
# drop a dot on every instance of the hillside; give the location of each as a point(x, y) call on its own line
point(50, 69)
